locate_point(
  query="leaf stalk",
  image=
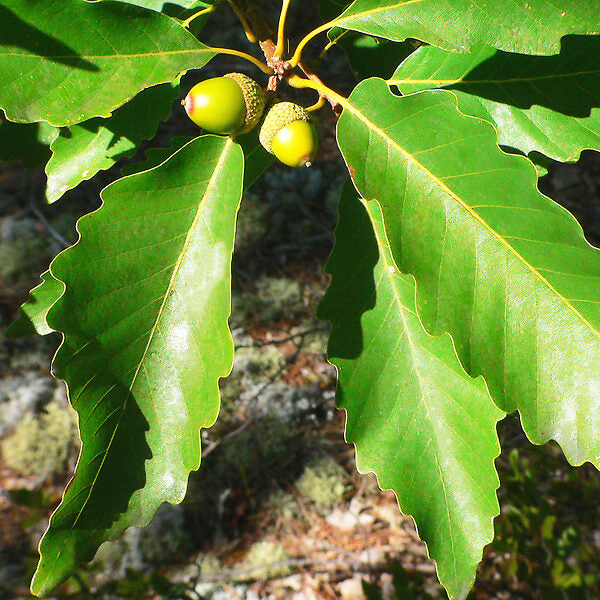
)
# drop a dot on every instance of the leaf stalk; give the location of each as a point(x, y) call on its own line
point(204, 11)
point(246, 26)
point(279, 49)
point(261, 65)
point(306, 39)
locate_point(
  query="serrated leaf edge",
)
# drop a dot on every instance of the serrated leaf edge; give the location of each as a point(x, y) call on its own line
point(197, 218)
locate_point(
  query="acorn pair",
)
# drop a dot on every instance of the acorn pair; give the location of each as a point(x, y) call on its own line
point(235, 103)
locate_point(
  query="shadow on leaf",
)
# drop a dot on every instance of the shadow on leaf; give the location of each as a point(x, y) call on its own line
point(17, 33)
point(568, 83)
point(110, 469)
point(352, 290)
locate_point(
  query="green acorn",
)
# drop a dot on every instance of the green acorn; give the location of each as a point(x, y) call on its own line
point(227, 105)
point(288, 133)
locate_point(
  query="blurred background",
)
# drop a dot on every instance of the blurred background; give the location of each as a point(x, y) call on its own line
point(277, 509)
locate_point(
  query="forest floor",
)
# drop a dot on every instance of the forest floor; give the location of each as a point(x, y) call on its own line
point(277, 510)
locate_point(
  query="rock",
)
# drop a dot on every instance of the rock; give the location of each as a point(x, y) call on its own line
point(293, 582)
point(22, 395)
point(163, 540)
point(343, 520)
point(352, 589)
point(372, 556)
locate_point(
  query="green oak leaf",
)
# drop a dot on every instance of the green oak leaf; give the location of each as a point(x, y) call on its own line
point(528, 26)
point(373, 57)
point(68, 61)
point(502, 268)
point(144, 319)
point(180, 9)
point(419, 422)
point(156, 156)
point(81, 151)
point(368, 56)
point(33, 313)
point(257, 159)
point(548, 104)
point(29, 144)
point(158, 5)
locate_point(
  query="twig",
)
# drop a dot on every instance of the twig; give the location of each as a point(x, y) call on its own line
point(284, 340)
point(252, 12)
point(214, 445)
point(38, 213)
point(335, 106)
point(246, 572)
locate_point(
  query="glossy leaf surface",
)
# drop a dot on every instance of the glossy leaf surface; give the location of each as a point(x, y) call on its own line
point(257, 159)
point(548, 104)
point(498, 265)
point(146, 340)
point(159, 5)
point(373, 57)
point(68, 61)
point(419, 422)
point(95, 145)
point(528, 26)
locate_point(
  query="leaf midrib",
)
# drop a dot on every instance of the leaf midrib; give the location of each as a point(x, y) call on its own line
point(410, 158)
point(372, 11)
point(186, 245)
point(108, 56)
point(390, 269)
point(551, 76)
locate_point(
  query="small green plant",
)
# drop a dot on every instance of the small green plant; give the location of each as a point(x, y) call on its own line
point(459, 292)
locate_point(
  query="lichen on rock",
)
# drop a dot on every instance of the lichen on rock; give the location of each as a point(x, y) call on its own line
point(40, 446)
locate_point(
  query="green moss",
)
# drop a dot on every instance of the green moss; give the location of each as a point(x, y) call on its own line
point(285, 505)
point(266, 553)
point(324, 482)
point(253, 366)
point(251, 224)
point(275, 298)
point(40, 446)
point(209, 564)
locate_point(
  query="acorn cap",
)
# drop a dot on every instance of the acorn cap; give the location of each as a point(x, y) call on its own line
point(280, 115)
point(254, 97)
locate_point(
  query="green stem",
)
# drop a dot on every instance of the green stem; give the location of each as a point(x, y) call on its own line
point(281, 30)
point(204, 11)
point(307, 38)
point(261, 65)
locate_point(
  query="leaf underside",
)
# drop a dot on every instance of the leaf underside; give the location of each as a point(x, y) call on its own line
point(145, 342)
point(502, 268)
point(419, 422)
